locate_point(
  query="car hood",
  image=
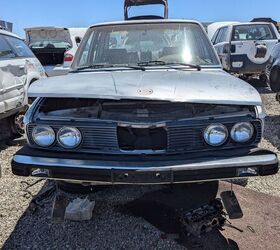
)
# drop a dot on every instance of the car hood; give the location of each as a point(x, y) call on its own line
point(206, 86)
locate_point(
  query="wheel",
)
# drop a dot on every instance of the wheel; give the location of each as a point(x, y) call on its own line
point(17, 125)
point(74, 188)
point(274, 81)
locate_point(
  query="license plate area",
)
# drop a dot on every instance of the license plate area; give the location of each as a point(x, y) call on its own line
point(141, 177)
point(142, 138)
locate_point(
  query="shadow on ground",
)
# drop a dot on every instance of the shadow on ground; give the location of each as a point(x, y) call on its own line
point(119, 224)
point(162, 208)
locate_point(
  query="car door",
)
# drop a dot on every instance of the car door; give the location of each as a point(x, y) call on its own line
point(221, 44)
point(13, 75)
point(254, 43)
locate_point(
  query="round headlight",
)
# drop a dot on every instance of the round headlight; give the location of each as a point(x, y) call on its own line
point(69, 137)
point(43, 136)
point(242, 132)
point(216, 135)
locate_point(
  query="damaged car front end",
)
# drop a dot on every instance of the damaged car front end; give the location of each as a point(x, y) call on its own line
point(138, 115)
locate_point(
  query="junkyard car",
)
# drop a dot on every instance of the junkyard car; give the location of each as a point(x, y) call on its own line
point(147, 102)
point(18, 69)
point(245, 48)
point(54, 47)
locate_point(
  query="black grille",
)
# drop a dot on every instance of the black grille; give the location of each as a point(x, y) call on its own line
point(181, 137)
point(97, 137)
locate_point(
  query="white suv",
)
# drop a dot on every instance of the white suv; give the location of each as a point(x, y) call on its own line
point(245, 48)
point(18, 69)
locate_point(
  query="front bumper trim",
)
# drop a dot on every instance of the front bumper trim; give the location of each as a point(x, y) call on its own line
point(146, 172)
point(245, 161)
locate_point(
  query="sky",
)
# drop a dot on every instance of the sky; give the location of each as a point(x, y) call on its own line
point(83, 13)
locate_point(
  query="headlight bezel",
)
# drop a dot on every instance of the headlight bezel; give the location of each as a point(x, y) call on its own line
point(207, 131)
point(47, 128)
point(63, 145)
point(252, 132)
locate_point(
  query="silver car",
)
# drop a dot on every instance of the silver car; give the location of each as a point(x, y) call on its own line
point(146, 102)
point(18, 69)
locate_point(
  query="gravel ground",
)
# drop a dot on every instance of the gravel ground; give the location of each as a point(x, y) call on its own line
point(109, 228)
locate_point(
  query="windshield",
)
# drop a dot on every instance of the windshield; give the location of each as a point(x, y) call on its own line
point(131, 44)
point(253, 32)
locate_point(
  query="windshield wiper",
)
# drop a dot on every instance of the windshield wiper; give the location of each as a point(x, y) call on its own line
point(105, 65)
point(163, 63)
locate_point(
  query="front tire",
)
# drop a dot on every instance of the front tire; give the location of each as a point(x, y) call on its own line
point(17, 125)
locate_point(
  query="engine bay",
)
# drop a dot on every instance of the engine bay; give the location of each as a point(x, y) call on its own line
point(133, 111)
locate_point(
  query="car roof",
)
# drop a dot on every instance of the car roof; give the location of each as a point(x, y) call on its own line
point(145, 21)
point(74, 30)
point(8, 33)
point(44, 27)
point(248, 23)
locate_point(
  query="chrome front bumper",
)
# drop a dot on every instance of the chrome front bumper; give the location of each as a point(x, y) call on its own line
point(260, 163)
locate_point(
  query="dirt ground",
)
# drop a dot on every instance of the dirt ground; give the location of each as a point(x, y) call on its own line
point(153, 225)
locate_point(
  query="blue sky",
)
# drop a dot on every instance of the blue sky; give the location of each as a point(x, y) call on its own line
point(83, 13)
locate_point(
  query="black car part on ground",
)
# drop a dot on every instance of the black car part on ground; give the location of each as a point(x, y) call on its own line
point(130, 3)
point(204, 219)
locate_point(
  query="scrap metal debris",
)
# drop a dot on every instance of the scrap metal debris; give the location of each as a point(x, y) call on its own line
point(59, 206)
point(204, 219)
point(79, 210)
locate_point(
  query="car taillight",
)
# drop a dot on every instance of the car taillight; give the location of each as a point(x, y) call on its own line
point(68, 58)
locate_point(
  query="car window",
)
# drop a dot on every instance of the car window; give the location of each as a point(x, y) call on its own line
point(253, 32)
point(221, 35)
point(133, 43)
point(224, 34)
point(20, 48)
point(86, 51)
point(6, 51)
point(214, 38)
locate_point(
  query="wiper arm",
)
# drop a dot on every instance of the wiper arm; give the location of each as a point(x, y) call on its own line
point(163, 63)
point(94, 66)
point(104, 65)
